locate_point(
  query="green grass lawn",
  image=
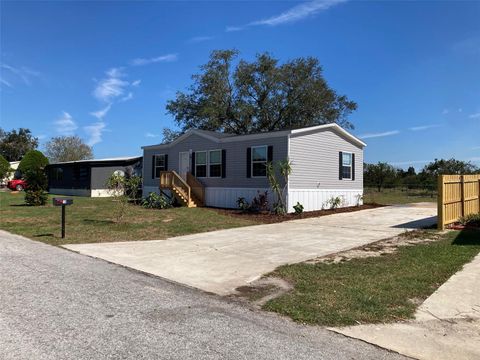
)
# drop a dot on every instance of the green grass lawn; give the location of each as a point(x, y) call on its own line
point(375, 289)
point(398, 196)
point(91, 220)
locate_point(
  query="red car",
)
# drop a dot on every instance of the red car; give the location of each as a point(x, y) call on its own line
point(17, 184)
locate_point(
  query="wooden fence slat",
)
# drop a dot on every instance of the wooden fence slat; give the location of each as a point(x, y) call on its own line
point(457, 197)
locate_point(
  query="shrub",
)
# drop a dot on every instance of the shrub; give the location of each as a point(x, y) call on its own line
point(36, 197)
point(472, 220)
point(334, 202)
point(32, 160)
point(133, 186)
point(156, 201)
point(260, 202)
point(117, 184)
point(298, 208)
point(5, 169)
point(32, 168)
point(243, 204)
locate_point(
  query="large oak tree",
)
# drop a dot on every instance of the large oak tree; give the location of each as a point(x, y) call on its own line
point(263, 95)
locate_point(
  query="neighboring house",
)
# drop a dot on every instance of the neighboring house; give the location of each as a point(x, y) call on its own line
point(217, 169)
point(88, 177)
point(12, 175)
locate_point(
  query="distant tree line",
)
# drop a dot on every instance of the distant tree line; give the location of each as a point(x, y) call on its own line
point(383, 175)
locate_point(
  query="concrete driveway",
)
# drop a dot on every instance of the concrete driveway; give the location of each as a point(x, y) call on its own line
point(221, 261)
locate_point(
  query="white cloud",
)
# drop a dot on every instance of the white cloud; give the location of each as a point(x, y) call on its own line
point(476, 148)
point(294, 14)
point(112, 86)
point(162, 58)
point(376, 135)
point(129, 96)
point(100, 114)
point(41, 136)
point(197, 39)
point(65, 125)
point(22, 73)
point(474, 116)
point(150, 135)
point(95, 132)
point(6, 83)
point(445, 111)
point(136, 82)
point(424, 127)
point(460, 110)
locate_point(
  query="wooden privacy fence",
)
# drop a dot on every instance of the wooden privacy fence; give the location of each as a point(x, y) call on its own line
point(458, 195)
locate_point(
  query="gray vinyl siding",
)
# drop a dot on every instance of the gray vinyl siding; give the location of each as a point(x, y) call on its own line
point(101, 174)
point(236, 157)
point(315, 161)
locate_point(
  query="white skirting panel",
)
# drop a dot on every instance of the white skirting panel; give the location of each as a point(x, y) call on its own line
point(318, 199)
point(101, 193)
point(71, 192)
point(227, 197)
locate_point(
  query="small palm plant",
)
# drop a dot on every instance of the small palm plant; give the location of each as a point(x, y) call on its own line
point(284, 169)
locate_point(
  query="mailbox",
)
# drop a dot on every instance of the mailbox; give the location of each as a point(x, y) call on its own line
point(62, 202)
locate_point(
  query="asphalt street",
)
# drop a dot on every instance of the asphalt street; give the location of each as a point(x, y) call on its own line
point(57, 304)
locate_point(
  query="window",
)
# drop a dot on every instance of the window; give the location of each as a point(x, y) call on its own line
point(347, 165)
point(215, 163)
point(57, 174)
point(159, 164)
point(80, 173)
point(259, 161)
point(201, 164)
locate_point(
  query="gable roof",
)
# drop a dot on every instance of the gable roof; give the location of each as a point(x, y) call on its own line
point(222, 137)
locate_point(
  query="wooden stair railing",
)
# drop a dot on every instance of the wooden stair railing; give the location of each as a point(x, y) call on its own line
point(181, 189)
point(197, 187)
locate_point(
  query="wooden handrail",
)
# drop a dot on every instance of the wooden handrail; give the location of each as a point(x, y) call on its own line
point(197, 187)
point(170, 179)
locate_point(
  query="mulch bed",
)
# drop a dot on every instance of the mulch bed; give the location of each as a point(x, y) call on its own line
point(273, 218)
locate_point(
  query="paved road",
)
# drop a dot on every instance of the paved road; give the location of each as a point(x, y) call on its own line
point(56, 304)
point(223, 260)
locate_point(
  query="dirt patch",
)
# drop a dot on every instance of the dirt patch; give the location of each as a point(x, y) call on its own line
point(273, 218)
point(262, 290)
point(381, 247)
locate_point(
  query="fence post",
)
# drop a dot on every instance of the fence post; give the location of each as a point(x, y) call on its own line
point(478, 194)
point(462, 192)
point(440, 200)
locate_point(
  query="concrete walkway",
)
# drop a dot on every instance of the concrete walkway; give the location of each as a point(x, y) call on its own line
point(221, 261)
point(446, 326)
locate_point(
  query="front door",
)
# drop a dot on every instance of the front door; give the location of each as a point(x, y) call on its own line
point(184, 164)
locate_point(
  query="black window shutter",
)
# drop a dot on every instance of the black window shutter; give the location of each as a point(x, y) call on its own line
point(249, 162)
point(353, 166)
point(153, 167)
point(166, 162)
point(192, 170)
point(340, 164)
point(270, 153)
point(224, 163)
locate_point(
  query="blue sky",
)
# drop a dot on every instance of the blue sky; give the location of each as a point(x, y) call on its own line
point(104, 70)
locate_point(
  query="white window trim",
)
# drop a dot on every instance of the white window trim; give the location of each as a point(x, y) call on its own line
point(155, 165)
point(220, 163)
point(206, 163)
point(207, 152)
point(251, 161)
point(351, 165)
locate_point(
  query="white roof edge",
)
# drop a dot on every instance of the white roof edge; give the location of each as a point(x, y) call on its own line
point(126, 158)
point(332, 125)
